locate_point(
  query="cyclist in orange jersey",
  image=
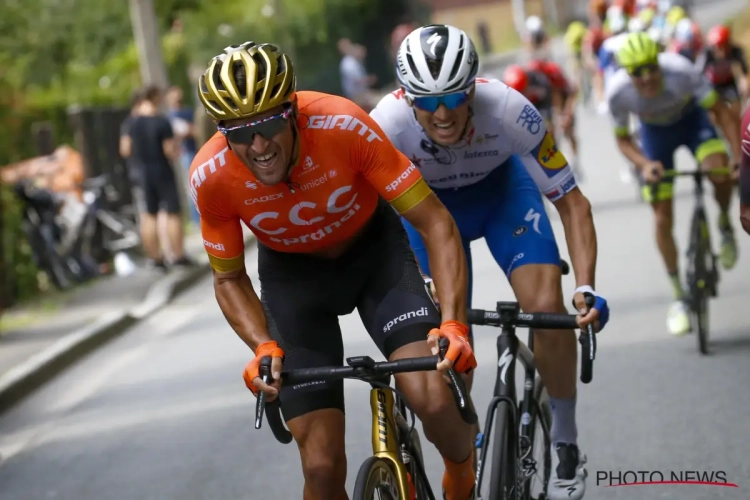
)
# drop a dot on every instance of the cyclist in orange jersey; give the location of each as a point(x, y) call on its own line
point(321, 187)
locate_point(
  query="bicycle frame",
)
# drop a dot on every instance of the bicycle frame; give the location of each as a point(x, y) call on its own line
point(510, 349)
point(385, 444)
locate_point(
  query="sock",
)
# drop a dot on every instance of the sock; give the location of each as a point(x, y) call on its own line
point(458, 479)
point(564, 430)
point(677, 291)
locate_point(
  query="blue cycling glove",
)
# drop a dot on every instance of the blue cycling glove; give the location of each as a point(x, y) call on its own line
point(600, 304)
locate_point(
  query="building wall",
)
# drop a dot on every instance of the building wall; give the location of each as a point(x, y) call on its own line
point(497, 14)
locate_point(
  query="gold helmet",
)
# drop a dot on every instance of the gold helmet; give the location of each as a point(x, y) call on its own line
point(268, 81)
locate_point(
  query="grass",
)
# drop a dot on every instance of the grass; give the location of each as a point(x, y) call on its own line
point(39, 308)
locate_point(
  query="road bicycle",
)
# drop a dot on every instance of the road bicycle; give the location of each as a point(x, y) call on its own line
point(105, 231)
point(701, 273)
point(513, 465)
point(395, 471)
point(64, 265)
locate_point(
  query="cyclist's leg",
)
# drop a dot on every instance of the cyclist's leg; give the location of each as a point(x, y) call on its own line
point(731, 94)
point(521, 240)
point(659, 144)
point(300, 301)
point(398, 313)
point(711, 153)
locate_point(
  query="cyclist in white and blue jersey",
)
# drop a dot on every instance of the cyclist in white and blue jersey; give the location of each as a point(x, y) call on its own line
point(485, 151)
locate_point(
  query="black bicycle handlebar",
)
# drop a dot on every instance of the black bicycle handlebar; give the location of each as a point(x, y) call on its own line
point(363, 368)
point(547, 321)
point(551, 321)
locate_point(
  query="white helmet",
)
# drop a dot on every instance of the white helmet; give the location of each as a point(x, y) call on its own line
point(662, 6)
point(683, 31)
point(655, 33)
point(436, 59)
point(636, 25)
point(534, 24)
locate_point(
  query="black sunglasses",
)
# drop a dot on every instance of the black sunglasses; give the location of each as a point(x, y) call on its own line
point(268, 127)
point(644, 69)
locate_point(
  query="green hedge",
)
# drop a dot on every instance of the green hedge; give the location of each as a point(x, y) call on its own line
point(21, 280)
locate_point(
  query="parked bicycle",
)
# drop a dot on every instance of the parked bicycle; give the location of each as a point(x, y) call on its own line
point(63, 264)
point(105, 232)
point(395, 471)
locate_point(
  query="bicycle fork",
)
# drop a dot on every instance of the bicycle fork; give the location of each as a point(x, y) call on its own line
point(521, 437)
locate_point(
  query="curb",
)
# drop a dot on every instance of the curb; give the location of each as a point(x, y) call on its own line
point(28, 376)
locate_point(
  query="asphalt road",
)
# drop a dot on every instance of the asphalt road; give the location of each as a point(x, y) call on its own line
point(162, 412)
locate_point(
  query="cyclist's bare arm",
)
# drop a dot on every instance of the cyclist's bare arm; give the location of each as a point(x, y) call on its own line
point(224, 242)
point(381, 163)
point(728, 121)
point(575, 212)
point(570, 97)
point(630, 150)
point(241, 306)
point(621, 120)
point(446, 254)
point(598, 82)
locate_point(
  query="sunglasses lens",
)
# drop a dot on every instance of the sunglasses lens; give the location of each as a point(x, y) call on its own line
point(268, 129)
point(450, 101)
point(645, 69)
point(427, 103)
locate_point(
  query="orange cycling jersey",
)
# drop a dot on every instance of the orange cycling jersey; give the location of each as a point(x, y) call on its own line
point(346, 162)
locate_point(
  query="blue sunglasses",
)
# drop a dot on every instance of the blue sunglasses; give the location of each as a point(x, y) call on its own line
point(431, 103)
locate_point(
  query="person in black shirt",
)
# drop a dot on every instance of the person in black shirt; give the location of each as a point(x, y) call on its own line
point(135, 171)
point(153, 147)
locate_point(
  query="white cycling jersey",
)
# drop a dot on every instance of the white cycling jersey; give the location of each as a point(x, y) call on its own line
point(683, 87)
point(504, 123)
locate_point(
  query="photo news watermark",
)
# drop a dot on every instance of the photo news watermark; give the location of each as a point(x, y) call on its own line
point(611, 478)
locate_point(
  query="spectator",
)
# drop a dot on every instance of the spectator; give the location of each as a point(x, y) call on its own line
point(181, 118)
point(355, 82)
point(135, 171)
point(399, 34)
point(153, 146)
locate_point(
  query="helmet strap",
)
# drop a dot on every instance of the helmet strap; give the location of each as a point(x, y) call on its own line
point(296, 148)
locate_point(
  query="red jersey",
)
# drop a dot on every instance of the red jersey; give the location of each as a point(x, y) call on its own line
point(553, 72)
point(745, 160)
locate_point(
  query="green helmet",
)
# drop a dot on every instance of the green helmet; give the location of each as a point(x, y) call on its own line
point(637, 50)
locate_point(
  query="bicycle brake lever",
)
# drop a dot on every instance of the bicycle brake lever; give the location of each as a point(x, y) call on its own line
point(265, 376)
point(458, 388)
point(587, 339)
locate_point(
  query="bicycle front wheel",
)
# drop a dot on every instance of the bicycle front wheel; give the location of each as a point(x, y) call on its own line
point(504, 456)
point(701, 281)
point(376, 481)
point(539, 446)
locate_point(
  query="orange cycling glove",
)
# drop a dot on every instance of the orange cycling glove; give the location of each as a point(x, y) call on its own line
point(459, 350)
point(252, 370)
